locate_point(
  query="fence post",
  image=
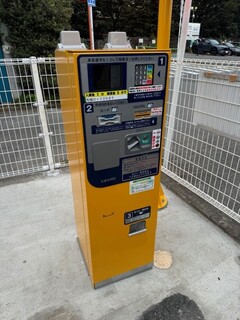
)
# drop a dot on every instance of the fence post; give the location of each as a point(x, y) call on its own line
point(177, 80)
point(42, 114)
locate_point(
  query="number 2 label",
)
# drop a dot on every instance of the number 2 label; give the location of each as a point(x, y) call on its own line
point(89, 108)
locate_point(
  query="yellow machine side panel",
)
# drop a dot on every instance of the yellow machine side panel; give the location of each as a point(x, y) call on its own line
point(67, 86)
point(162, 199)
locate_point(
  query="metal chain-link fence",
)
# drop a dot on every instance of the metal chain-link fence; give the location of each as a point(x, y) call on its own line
point(202, 137)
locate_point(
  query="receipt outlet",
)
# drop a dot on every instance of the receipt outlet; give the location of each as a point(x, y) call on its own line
point(113, 108)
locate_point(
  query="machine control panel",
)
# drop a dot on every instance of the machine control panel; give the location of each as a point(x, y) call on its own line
point(122, 97)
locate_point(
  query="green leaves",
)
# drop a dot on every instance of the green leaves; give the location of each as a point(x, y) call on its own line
point(219, 19)
point(34, 25)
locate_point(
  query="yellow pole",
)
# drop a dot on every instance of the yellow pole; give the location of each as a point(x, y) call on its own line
point(163, 41)
point(164, 24)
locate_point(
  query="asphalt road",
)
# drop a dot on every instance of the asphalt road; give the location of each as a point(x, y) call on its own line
point(175, 307)
point(205, 160)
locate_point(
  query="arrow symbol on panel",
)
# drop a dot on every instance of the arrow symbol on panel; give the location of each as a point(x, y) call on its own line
point(159, 74)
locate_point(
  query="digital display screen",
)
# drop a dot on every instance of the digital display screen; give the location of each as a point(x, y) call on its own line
point(107, 76)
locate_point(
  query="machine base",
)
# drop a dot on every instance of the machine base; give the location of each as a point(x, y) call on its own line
point(123, 276)
point(85, 263)
point(118, 277)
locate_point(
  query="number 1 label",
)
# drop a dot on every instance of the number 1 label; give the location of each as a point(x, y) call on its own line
point(161, 61)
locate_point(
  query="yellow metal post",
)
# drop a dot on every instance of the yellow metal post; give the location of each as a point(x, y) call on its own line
point(164, 24)
point(163, 40)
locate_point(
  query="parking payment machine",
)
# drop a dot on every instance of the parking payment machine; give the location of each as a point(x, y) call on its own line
point(113, 106)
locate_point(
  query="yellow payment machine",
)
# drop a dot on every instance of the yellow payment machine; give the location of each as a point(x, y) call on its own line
point(113, 104)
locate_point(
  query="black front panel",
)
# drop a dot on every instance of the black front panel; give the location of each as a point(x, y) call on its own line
point(122, 98)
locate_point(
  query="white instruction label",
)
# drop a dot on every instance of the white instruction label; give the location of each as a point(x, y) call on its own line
point(141, 185)
point(146, 89)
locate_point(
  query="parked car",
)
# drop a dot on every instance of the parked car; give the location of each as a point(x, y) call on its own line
point(211, 46)
point(233, 50)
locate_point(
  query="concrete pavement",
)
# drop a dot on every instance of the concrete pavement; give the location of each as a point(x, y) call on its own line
point(43, 277)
